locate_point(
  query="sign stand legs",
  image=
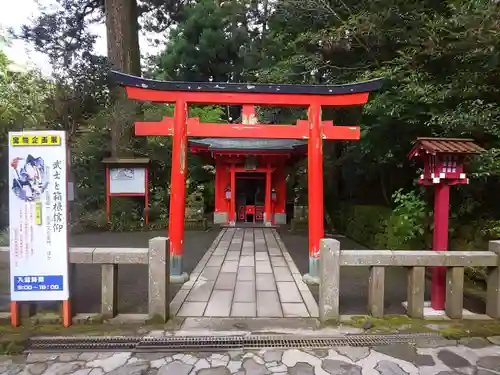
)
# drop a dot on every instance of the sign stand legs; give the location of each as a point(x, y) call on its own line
point(14, 314)
point(66, 313)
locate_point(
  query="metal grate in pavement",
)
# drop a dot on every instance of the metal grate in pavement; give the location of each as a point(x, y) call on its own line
point(215, 343)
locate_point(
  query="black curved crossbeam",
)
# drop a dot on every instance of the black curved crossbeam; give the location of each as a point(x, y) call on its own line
point(127, 80)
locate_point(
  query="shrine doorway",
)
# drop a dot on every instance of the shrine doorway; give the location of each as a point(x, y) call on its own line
point(250, 197)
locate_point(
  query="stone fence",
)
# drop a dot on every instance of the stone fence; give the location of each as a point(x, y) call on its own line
point(156, 257)
point(332, 258)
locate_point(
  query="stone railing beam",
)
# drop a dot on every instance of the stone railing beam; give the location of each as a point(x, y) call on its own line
point(422, 258)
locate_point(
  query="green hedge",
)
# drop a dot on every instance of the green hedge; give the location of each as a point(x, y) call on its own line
point(372, 226)
point(365, 224)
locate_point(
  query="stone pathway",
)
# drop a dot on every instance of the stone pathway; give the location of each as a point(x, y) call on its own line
point(246, 273)
point(471, 356)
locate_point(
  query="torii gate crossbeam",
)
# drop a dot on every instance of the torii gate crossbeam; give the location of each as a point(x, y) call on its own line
point(314, 97)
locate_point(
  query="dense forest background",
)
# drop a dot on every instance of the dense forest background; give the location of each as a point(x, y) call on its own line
point(440, 60)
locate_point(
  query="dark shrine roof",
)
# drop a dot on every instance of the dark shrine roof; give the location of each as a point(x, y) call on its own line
point(248, 144)
point(256, 88)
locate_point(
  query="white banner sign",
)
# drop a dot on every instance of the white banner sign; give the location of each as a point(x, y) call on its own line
point(127, 180)
point(38, 216)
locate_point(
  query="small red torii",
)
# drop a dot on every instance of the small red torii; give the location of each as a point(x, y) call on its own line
point(248, 95)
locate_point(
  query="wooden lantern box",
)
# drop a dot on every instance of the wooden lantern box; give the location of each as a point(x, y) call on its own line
point(444, 159)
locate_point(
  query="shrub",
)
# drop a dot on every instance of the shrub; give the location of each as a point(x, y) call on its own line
point(365, 223)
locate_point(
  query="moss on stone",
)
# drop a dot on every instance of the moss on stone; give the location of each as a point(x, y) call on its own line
point(447, 328)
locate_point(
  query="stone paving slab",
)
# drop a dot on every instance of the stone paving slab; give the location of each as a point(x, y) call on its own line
point(471, 356)
point(247, 272)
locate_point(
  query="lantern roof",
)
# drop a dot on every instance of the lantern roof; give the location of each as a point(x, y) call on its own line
point(248, 144)
point(434, 146)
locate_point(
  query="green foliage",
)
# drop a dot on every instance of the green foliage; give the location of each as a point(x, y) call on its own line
point(24, 100)
point(409, 221)
point(364, 224)
point(404, 227)
point(92, 146)
point(208, 44)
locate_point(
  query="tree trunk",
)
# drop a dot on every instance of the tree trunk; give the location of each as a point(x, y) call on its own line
point(124, 55)
point(266, 16)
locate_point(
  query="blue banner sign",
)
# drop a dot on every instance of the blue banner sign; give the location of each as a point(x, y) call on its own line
point(51, 283)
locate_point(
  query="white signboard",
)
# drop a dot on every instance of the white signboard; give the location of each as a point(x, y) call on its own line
point(38, 216)
point(127, 180)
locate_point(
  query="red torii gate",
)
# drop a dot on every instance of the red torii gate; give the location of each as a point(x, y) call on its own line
point(248, 95)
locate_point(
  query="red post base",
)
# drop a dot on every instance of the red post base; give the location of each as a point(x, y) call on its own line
point(440, 243)
point(438, 289)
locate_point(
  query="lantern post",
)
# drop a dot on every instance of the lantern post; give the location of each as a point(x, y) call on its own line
point(443, 160)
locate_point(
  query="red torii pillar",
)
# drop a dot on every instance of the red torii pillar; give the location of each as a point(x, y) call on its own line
point(315, 191)
point(178, 191)
point(180, 127)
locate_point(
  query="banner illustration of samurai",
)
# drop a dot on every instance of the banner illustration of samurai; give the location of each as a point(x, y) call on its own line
point(30, 177)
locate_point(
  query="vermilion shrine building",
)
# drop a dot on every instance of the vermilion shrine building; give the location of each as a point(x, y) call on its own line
point(250, 177)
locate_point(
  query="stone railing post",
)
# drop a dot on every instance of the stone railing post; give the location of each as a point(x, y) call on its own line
point(493, 284)
point(454, 292)
point(109, 290)
point(159, 279)
point(415, 292)
point(329, 283)
point(376, 289)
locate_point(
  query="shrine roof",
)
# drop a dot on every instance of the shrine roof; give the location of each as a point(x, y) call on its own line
point(248, 144)
point(256, 88)
point(446, 145)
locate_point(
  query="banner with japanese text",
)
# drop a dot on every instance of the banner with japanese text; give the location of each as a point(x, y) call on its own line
point(38, 216)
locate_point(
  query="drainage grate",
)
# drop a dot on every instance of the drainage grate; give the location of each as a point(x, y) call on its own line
point(215, 343)
point(87, 343)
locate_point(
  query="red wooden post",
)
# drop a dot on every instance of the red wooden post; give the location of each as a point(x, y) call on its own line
point(146, 197)
point(14, 314)
point(108, 197)
point(315, 190)
point(178, 190)
point(267, 208)
point(248, 114)
point(232, 208)
point(440, 243)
